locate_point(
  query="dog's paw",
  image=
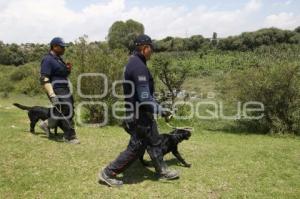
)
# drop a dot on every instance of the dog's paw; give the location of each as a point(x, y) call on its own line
point(188, 165)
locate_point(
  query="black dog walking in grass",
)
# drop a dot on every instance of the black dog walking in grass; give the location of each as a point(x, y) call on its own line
point(140, 123)
point(35, 114)
point(170, 143)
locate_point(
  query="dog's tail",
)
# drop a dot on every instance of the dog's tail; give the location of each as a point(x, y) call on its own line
point(27, 108)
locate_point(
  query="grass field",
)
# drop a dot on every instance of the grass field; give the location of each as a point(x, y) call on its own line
point(224, 164)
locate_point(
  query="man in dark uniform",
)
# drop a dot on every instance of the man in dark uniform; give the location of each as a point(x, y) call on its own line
point(54, 78)
point(140, 123)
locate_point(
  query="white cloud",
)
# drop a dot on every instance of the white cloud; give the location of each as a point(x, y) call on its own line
point(39, 21)
point(163, 21)
point(253, 5)
point(283, 20)
point(283, 3)
point(34, 21)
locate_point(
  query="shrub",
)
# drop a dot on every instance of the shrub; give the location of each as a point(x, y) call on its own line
point(6, 87)
point(96, 58)
point(276, 86)
point(20, 73)
point(172, 71)
point(26, 79)
point(29, 86)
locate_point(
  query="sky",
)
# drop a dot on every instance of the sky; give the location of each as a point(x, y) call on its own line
point(38, 21)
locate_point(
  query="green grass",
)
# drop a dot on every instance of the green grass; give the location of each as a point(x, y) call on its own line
point(224, 165)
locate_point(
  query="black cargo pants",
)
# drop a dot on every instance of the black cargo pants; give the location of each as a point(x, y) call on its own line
point(65, 112)
point(143, 132)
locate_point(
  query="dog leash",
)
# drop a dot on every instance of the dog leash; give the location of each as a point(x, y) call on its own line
point(59, 111)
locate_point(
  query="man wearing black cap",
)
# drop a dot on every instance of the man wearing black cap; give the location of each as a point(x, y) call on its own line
point(54, 78)
point(140, 122)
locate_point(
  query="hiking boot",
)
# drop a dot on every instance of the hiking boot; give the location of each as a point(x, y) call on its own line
point(71, 141)
point(163, 171)
point(109, 180)
point(45, 128)
point(169, 175)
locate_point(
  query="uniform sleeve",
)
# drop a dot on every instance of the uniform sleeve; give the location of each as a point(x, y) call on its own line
point(46, 67)
point(141, 82)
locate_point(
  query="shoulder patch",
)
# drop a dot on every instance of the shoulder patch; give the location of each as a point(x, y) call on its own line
point(142, 78)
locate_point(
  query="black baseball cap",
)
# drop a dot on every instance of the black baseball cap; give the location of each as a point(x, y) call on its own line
point(143, 40)
point(58, 41)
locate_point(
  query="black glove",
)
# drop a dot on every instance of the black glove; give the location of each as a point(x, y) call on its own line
point(167, 114)
point(55, 102)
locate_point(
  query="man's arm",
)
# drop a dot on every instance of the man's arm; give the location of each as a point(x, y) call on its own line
point(45, 80)
point(145, 97)
point(141, 82)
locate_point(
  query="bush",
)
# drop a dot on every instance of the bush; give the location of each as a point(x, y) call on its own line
point(20, 73)
point(277, 87)
point(253, 40)
point(6, 87)
point(26, 79)
point(172, 70)
point(29, 86)
point(96, 58)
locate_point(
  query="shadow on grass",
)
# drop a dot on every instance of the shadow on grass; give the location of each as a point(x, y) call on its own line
point(53, 137)
point(138, 173)
point(240, 127)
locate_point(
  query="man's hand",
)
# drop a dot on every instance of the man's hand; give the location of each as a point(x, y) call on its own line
point(55, 102)
point(69, 66)
point(167, 114)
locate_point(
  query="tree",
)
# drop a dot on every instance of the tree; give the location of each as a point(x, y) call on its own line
point(96, 58)
point(214, 39)
point(165, 44)
point(178, 44)
point(181, 44)
point(252, 40)
point(3, 54)
point(195, 42)
point(295, 39)
point(122, 34)
point(172, 72)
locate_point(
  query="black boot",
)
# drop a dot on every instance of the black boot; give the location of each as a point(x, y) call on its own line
point(109, 180)
point(164, 172)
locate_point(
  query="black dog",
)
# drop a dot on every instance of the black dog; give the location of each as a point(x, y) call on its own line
point(170, 144)
point(35, 114)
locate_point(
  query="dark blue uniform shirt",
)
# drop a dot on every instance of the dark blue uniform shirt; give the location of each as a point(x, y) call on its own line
point(55, 69)
point(138, 73)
